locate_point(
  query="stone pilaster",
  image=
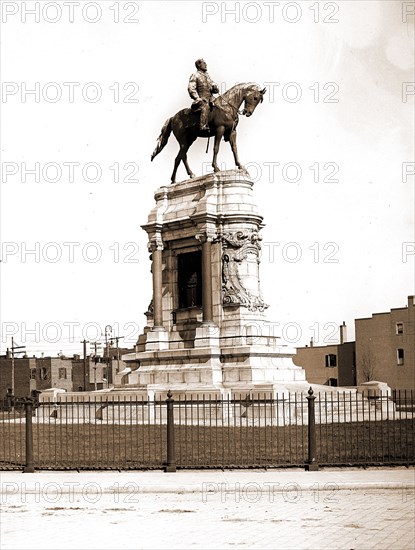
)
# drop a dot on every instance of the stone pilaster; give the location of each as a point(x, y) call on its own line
point(155, 246)
point(206, 238)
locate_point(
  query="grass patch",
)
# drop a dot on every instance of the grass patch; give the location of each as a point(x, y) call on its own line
point(114, 446)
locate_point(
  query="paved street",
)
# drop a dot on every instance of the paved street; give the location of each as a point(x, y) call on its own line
point(347, 509)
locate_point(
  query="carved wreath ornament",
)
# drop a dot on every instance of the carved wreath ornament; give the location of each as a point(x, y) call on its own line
point(240, 270)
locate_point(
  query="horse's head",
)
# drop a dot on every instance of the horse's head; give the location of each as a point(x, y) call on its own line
point(253, 96)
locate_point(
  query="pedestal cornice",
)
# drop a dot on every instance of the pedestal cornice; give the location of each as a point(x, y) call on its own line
point(218, 199)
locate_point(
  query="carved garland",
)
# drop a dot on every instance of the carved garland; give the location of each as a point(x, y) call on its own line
point(236, 247)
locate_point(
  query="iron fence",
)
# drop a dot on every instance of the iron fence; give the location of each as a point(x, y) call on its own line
point(106, 431)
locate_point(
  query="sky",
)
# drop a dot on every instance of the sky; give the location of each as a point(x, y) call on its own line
point(86, 88)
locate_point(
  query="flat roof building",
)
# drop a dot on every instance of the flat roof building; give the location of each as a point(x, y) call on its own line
point(385, 347)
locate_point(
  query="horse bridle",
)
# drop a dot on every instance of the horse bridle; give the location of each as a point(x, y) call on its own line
point(230, 105)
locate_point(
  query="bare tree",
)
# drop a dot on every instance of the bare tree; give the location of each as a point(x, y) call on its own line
point(367, 367)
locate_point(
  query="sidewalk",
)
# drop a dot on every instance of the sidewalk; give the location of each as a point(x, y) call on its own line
point(197, 481)
point(288, 509)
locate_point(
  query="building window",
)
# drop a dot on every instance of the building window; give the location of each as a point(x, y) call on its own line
point(400, 356)
point(62, 372)
point(33, 374)
point(43, 373)
point(332, 382)
point(399, 328)
point(331, 360)
point(190, 279)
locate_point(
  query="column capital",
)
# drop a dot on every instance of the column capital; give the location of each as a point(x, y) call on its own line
point(207, 235)
point(155, 243)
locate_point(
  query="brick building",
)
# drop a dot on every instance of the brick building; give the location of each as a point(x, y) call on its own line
point(24, 376)
point(385, 347)
point(53, 372)
point(384, 350)
point(332, 365)
point(67, 373)
point(35, 373)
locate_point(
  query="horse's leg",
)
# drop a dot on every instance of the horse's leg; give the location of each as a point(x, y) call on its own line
point(182, 155)
point(184, 148)
point(220, 130)
point(232, 141)
point(176, 165)
point(179, 136)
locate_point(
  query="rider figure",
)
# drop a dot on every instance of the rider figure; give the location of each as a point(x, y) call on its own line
point(201, 89)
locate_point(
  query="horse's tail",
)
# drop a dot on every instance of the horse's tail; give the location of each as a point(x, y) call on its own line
point(163, 138)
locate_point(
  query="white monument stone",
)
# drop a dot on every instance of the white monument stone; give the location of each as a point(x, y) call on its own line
point(207, 331)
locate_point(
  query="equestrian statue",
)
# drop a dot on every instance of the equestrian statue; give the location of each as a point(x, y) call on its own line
point(209, 116)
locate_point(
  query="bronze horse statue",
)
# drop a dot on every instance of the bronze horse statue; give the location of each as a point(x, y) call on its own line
point(223, 119)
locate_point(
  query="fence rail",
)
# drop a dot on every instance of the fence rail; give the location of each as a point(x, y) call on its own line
point(107, 432)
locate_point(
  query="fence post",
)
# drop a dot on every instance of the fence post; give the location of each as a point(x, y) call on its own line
point(311, 464)
point(171, 458)
point(28, 405)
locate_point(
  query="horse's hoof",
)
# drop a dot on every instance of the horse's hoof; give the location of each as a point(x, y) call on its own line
point(240, 167)
point(191, 176)
point(216, 169)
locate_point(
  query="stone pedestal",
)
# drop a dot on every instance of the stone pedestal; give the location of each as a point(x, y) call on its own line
point(206, 325)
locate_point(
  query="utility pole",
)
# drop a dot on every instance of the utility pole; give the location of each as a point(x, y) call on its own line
point(95, 344)
point(116, 338)
point(85, 342)
point(13, 348)
point(108, 330)
point(108, 342)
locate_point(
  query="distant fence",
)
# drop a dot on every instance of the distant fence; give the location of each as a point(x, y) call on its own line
point(109, 432)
